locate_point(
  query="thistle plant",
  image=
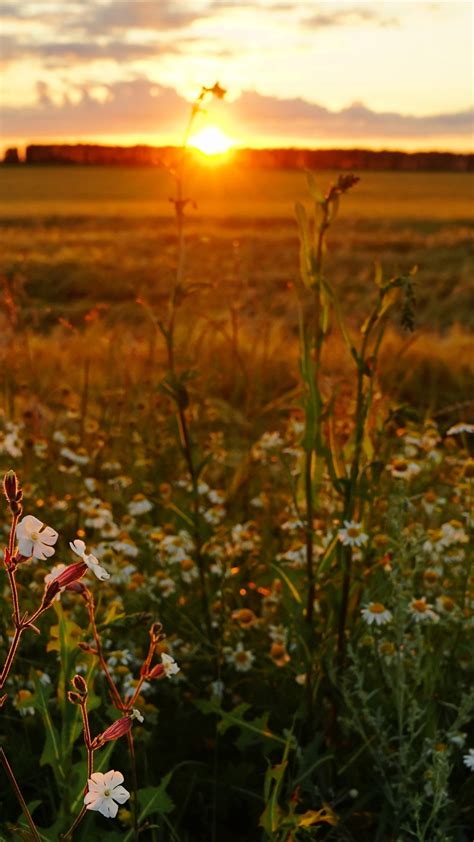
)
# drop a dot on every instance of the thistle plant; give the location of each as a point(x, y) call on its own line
point(319, 308)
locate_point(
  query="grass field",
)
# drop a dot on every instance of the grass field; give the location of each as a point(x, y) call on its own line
point(225, 193)
point(268, 463)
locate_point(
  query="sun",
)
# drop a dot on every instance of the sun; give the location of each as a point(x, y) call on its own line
point(211, 141)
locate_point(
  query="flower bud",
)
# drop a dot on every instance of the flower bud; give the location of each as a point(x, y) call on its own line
point(13, 492)
point(79, 684)
point(75, 698)
point(156, 672)
point(113, 732)
point(156, 633)
point(70, 574)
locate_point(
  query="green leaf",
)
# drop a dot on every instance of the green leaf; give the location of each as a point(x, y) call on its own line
point(305, 245)
point(51, 752)
point(153, 799)
point(313, 188)
point(287, 582)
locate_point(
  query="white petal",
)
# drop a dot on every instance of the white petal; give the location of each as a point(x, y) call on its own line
point(92, 798)
point(42, 551)
point(113, 778)
point(78, 547)
point(28, 525)
point(25, 547)
point(120, 794)
point(99, 571)
point(49, 535)
point(96, 779)
point(108, 808)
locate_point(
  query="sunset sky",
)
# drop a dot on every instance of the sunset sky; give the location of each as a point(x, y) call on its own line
point(298, 72)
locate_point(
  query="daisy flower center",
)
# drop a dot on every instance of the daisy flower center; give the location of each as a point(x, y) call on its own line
point(353, 531)
point(377, 608)
point(419, 605)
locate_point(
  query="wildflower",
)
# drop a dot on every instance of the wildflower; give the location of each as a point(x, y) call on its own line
point(461, 427)
point(168, 666)
point(279, 655)
point(77, 458)
point(241, 658)
point(105, 793)
point(139, 505)
point(217, 689)
point(387, 649)
point(136, 714)
point(351, 534)
point(458, 738)
point(126, 548)
point(90, 560)
point(167, 586)
point(54, 573)
point(245, 617)
point(468, 759)
point(445, 603)
point(67, 577)
point(376, 613)
point(34, 539)
point(217, 497)
point(400, 468)
point(113, 732)
point(421, 610)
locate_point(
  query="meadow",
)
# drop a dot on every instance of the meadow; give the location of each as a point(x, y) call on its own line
point(259, 424)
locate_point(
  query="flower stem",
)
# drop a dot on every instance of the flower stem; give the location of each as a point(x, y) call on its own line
point(18, 794)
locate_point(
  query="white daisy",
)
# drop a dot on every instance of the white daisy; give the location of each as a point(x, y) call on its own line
point(376, 613)
point(351, 535)
point(421, 611)
point(468, 759)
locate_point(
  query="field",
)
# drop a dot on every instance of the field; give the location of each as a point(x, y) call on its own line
point(262, 434)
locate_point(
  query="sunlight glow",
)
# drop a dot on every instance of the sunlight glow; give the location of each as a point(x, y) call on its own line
point(211, 141)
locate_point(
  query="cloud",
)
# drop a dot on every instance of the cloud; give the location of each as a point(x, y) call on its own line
point(141, 107)
point(137, 106)
point(141, 14)
point(348, 17)
point(300, 118)
point(64, 53)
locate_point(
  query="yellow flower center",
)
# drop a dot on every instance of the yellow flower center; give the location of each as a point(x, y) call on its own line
point(447, 603)
point(400, 465)
point(35, 536)
point(241, 657)
point(419, 605)
point(107, 793)
point(353, 531)
point(377, 607)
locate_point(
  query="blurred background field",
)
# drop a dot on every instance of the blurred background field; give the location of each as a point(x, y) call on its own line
point(93, 249)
